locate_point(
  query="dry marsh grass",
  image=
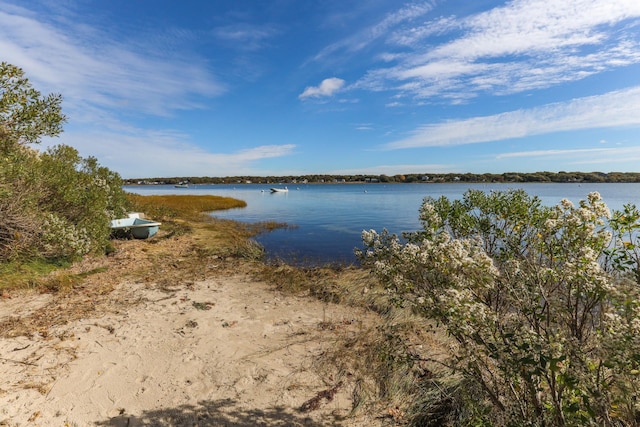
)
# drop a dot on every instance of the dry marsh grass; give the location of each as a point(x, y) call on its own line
point(181, 206)
point(348, 285)
point(180, 215)
point(189, 214)
point(396, 366)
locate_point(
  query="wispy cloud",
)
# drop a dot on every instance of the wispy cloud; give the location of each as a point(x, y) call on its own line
point(105, 82)
point(553, 153)
point(264, 152)
point(98, 74)
point(170, 152)
point(328, 87)
point(614, 109)
point(524, 45)
point(368, 35)
point(246, 36)
point(612, 156)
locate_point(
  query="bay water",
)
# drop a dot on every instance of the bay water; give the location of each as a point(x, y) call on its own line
point(326, 220)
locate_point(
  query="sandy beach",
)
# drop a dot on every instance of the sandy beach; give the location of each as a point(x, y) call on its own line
point(212, 346)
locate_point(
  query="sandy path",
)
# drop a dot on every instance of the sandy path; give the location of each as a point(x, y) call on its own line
point(224, 351)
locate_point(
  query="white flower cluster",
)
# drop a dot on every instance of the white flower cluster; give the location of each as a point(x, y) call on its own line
point(445, 275)
point(100, 183)
point(62, 238)
point(429, 215)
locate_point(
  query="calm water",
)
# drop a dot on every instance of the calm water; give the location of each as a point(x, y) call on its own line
point(329, 218)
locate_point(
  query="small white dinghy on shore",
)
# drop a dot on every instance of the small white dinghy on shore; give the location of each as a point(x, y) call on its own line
point(135, 225)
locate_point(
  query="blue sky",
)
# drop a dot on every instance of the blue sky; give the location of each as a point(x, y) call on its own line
point(293, 87)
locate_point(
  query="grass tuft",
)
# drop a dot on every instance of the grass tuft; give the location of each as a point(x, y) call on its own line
point(395, 365)
point(19, 275)
point(65, 280)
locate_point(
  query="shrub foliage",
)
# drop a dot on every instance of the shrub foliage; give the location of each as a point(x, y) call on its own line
point(542, 303)
point(53, 204)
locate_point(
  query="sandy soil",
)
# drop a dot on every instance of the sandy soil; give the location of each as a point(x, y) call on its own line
point(211, 346)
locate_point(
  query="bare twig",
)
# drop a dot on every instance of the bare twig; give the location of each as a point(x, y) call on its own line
point(18, 361)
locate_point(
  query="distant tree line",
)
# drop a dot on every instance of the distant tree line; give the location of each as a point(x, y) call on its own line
point(559, 177)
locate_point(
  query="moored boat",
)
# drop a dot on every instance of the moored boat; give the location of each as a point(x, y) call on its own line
point(279, 190)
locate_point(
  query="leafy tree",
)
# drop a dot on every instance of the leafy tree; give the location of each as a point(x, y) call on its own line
point(25, 115)
point(52, 204)
point(542, 303)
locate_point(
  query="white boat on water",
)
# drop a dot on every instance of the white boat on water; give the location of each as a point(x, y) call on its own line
point(279, 190)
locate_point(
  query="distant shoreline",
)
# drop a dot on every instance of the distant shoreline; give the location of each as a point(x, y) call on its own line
point(510, 177)
point(151, 184)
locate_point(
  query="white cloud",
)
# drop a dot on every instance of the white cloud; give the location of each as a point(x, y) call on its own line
point(530, 26)
point(589, 156)
point(105, 82)
point(614, 109)
point(264, 152)
point(523, 45)
point(245, 36)
point(367, 36)
point(139, 153)
point(552, 153)
point(327, 88)
point(98, 75)
point(408, 37)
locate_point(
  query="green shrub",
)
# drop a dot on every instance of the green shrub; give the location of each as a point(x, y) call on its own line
point(54, 204)
point(538, 300)
point(79, 198)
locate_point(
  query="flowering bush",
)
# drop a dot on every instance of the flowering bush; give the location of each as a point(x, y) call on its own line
point(53, 204)
point(62, 239)
point(82, 194)
point(539, 301)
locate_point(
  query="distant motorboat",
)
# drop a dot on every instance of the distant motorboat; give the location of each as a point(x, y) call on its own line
point(279, 190)
point(181, 185)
